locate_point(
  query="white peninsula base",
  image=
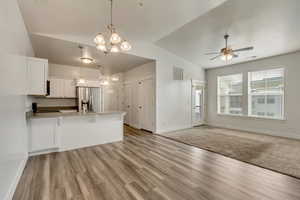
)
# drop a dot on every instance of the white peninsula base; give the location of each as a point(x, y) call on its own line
point(56, 132)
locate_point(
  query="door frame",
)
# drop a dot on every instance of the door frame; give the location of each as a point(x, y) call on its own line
point(202, 84)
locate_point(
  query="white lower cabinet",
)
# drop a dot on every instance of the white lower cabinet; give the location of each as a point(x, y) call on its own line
point(43, 134)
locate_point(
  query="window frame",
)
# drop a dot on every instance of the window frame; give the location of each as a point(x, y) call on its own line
point(218, 96)
point(283, 104)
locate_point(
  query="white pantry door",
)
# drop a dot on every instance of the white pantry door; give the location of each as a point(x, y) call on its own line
point(147, 104)
point(135, 104)
point(127, 103)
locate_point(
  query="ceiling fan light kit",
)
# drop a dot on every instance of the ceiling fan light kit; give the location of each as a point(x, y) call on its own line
point(111, 41)
point(227, 53)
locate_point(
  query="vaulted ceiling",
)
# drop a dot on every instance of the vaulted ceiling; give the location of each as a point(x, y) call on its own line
point(188, 28)
point(271, 26)
point(79, 18)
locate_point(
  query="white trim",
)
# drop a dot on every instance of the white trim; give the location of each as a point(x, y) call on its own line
point(253, 117)
point(173, 129)
point(36, 153)
point(16, 180)
point(289, 135)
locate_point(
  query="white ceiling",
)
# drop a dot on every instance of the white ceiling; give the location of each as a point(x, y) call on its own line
point(271, 26)
point(67, 53)
point(187, 28)
point(84, 19)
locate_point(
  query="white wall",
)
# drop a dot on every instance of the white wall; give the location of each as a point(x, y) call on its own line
point(173, 98)
point(143, 71)
point(72, 72)
point(287, 128)
point(15, 44)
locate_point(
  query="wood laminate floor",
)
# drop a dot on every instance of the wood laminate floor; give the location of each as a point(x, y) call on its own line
point(146, 166)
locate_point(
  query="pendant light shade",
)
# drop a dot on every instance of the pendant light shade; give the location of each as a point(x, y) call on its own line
point(126, 46)
point(115, 49)
point(86, 60)
point(227, 57)
point(85, 56)
point(99, 39)
point(101, 47)
point(115, 38)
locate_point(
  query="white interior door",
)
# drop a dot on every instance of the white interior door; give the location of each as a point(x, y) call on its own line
point(147, 104)
point(127, 103)
point(135, 105)
point(197, 105)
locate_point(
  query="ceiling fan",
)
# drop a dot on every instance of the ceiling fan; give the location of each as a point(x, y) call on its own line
point(228, 53)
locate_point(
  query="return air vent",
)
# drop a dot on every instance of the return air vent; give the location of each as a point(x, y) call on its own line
point(177, 73)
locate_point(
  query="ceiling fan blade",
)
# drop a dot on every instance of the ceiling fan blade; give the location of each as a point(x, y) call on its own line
point(212, 53)
point(244, 49)
point(216, 57)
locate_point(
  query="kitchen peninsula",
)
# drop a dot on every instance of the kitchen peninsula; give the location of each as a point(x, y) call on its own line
point(56, 132)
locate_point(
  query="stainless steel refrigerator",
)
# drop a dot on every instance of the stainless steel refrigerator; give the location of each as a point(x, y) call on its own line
point(90, 99)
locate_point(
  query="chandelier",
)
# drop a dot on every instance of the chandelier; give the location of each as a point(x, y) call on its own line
point(114, 43)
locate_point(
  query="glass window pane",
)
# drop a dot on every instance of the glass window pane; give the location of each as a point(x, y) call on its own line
point(230, 93)
point(266, 93)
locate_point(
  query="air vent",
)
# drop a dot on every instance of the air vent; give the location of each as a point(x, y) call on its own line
point(177, 73)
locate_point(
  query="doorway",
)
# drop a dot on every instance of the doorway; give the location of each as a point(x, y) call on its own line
point(197, 103)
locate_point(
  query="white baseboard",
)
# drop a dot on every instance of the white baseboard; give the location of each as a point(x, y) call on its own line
point(286, 134)
point(173, 129)
point(16, 180)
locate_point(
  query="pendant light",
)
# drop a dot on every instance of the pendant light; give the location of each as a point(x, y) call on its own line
point(85, 58)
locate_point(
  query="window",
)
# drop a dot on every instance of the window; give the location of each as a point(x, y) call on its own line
point(266, 93)
point(230, 94)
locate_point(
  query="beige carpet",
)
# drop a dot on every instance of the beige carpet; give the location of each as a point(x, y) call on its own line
point(275, 153)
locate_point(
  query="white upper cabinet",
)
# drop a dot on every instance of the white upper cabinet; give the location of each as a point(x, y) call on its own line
point(37, 74)
point(56, 88)
point(69, 89)
point(61, 88)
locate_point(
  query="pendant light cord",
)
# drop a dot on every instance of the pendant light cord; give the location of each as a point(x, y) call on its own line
point(111, 15)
